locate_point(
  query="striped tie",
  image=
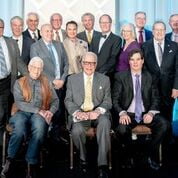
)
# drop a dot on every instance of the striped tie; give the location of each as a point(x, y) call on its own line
point(3, 67)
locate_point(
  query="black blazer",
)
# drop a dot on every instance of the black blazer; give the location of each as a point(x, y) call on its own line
point(169, 36)
point(148, 34)
point(26, 45)
point(27, 34)
point(167, 74)
point(83, 36)
point(108, 54)
point(123, 93)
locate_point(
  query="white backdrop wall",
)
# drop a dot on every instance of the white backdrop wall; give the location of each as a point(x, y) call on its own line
point(70, 9)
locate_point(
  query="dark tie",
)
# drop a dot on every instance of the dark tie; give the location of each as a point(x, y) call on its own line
point(57, 36)
point(140, 38)
point(34, 36)
point(51, 54)
point(3, 66)
point(138, 99)
point(160, 53)
point(104, 36)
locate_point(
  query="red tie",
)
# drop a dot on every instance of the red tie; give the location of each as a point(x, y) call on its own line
point(140, 37)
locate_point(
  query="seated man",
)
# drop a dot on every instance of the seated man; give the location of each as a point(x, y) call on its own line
point(136, 101)
point(36, 101)
point(88, 101)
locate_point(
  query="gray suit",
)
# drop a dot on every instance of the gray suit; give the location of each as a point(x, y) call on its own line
point(6, 84)
point(40, 49)
point(101, 97)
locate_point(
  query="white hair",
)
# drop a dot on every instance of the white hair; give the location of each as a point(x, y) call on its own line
point(36, 59)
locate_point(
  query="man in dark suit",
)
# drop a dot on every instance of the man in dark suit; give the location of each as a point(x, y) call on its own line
point(24, 43)
point(59, 34)
point(136, 101)
point(173, 22)
point(88, 101)
point(89, 34)
point(141, 32)
point(10, 63)
point(107, 47)
point(55, 66)
point(161, 60)
point(32, 23)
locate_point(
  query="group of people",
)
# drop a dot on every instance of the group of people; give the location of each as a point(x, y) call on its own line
point(87, 74)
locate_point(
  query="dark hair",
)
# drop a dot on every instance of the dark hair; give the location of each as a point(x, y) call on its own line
point(135, 51)
point(71, 22)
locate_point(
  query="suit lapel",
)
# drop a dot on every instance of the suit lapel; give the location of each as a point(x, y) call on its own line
point(81, 88)
point(130, 84)
point(106, 42)
point(94, 87)
point(166, 52)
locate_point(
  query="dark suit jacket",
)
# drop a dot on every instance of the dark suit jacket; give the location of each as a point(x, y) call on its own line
point(16, 62)
point(167, 74)
point(148, 34)
point(26, 45)
point(169, 36)
point(83, 36)
point(108, 54)
point(75, 93)
point(27, 34)
point(123, 92)
point(40, 49)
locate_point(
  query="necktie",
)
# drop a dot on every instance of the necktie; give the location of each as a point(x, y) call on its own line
point(51, 54)
point(57, 36)
point(3, 66)
point(88, 104)
point(34, 36)
point(138, 99)
point(140, 38)
point(103, 36)
point(89, 37)
point(176, 38)
point(160, 54)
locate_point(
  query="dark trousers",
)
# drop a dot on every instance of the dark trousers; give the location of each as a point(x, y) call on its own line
point(158, 126)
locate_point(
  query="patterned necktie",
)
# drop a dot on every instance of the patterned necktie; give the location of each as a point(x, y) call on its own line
point(57, 36)
point(88, 104)
point(138, 99)
point(140, 38)
point(89, 37)
point(34, 36)
point(3, 66)
point(160, 54)
point(176, 38)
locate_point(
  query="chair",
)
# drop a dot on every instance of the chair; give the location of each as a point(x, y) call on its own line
point(91, 132)
point(144, 130)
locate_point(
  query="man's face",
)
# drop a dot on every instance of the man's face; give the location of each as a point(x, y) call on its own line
point(35, 70)
point(159, 32)
point(47, 33)
point(17, 27)
point(136, 63)
point(88, 22)
point(105, 24)
point(71, 31)
point(174, 23)
point(56, 22)
point(140, 20)
point(1, 29)
point(89, 65)
point(32, 22)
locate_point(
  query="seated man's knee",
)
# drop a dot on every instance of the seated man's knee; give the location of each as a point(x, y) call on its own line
point(77, 130)
point(121, 129)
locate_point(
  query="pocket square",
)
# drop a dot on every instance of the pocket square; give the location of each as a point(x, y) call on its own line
point(170, 51)
point(100, 87)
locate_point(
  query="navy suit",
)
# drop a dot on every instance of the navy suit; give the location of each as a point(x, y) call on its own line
point(27, 34)
point(148, 34)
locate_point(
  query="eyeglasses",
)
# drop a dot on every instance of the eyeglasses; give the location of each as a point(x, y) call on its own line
point(105, 22)
point(89, 63)
point(126, 31)
point(1, 27)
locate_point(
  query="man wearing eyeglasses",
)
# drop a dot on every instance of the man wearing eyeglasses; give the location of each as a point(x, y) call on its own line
point(88, 101)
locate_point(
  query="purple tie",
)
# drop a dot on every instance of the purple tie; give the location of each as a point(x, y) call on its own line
point(138, 99)
point(140, 38)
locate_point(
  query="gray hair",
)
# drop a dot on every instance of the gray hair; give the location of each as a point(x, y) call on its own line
point(132, 29)
point(16, 18)
point(157, 22)
point(58, 14)
point(33, 13)
point(89, 53)
point(2, 21)
point(36, 59)
point(88, 14)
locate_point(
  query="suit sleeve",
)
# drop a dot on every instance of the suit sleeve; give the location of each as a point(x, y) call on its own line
point(70, 105)
point(176, 70)
point(117, 94)
point(111, 61)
